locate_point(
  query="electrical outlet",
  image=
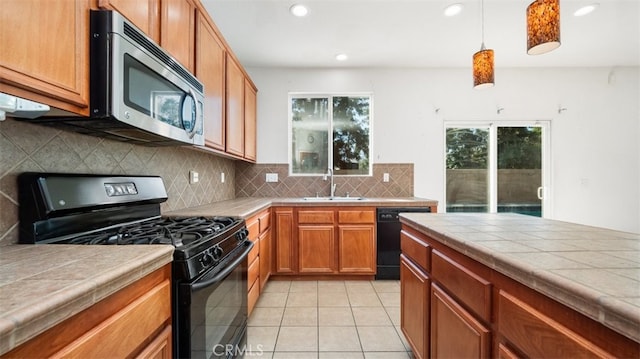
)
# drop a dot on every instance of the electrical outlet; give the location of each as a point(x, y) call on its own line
point(271, 177)
point(221, 177)
point(193, 177)
point(385, 177)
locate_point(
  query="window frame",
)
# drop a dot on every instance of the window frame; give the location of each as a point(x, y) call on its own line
point(329, 96)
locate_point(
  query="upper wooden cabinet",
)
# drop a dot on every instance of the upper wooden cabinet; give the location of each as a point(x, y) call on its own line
point(235, 108)
point(144, 14)
point(44, 52)
point(210, 69)
point(177, 30)
point(250, 108)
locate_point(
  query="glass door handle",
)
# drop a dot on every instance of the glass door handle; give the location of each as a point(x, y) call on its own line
point(541, 193)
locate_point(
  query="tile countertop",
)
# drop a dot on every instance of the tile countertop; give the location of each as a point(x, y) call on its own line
point(42, 285)
point(593, 270)
point(247, 206)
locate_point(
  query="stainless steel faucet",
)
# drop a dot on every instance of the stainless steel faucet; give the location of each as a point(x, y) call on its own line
point(333, 185)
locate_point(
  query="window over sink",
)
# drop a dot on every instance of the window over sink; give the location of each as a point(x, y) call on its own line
point(330, 131)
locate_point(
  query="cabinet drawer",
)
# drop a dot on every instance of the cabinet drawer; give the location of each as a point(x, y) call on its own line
point(265, 221)
point(253, 226)
point(253, 272)
point(540, 336)
point(310, 217)
point(356, 217)
point(468, 287)
point(415, 249)
point(252, 296)
point(255, 251)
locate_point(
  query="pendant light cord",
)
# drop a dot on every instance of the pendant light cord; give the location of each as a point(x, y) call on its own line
point(482, 20)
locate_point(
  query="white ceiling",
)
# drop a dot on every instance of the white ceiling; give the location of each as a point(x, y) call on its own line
point(415, 33)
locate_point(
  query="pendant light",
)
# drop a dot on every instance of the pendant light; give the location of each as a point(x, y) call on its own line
point(543, 26)
point(483, 62)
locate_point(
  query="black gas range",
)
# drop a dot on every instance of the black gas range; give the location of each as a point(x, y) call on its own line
point(209, 269)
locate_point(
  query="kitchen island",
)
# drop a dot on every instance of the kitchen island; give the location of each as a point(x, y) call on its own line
point(520, 285)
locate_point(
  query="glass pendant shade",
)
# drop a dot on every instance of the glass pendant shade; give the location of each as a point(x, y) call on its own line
point(483, 68)
point(543, 26)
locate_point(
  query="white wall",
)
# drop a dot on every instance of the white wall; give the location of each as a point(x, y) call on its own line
point(594, 143)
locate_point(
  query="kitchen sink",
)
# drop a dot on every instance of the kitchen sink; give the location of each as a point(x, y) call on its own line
point(334, 198)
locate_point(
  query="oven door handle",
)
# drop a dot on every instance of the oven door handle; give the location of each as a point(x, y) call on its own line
point(228, 269)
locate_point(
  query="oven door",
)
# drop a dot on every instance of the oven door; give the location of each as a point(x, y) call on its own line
point(211, 312)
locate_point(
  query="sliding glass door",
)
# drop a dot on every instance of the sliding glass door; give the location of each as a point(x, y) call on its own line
point(497, 167)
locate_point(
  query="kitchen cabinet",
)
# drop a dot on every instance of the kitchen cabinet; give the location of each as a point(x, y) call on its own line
point(34, 67)
point(142, 310)
point(210, 70)
point(414, 294)
point(284, 241)
point(144, 14)
point(259, 259)
point(325, 241)
point(234, 108)
point(476, 311)
point(177, 30)
point(250, 118)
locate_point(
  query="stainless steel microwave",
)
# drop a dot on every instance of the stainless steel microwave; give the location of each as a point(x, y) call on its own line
point(138, 92)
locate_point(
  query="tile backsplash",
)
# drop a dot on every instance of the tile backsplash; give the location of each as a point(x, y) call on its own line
point(251, 182)
point(28, 147)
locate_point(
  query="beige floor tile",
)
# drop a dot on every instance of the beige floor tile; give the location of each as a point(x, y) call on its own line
point(358, 299)
point(331, 286)
point(300, 317)
point(335, 316)
point(386, 286)
point(376, 316)
point(333, 299)
point(297, 339)
point(258, 355)
point(390, 299)
point(334, 339)
point(302, 299)
point(341, 355)
point(304, 286)
point(359, 286)
point(394, 314)
point(262, 339)
point(272, 299)
point(295, 355)
point(279, 286)
point(266, 316)
point(380, 339)
point(403, 339)
point(386, 355)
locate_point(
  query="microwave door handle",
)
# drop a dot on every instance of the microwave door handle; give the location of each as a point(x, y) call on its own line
point(197, 110)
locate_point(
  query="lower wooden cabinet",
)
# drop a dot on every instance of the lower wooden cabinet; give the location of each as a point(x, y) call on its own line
point(325, 241)
point(414, 307)
point(259, 259)
point(142, 311)
point(455, 333)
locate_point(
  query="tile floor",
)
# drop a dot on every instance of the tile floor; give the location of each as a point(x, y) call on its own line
point(328, 319)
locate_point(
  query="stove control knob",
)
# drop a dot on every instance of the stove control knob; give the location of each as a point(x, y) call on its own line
point(217, 252)
point(242, 234)
point(207, 258)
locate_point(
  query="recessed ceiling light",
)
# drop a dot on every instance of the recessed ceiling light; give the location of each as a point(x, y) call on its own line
point(585, 9)
point(299, 10)
point(341, 57)
point(453, 9)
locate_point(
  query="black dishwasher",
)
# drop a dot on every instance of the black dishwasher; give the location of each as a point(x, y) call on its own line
point(388, 243)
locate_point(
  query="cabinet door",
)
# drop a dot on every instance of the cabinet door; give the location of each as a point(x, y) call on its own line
point(234, 108)
point(455, 333)
point(250, 121)
point(316, 249)
point(177, 30)
point(414, 308)
point(265, 257)
point(45, 52)
point(357, 249)
point(210, 58)
point(160, 347)
point(284, 258)
point(142, 13)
